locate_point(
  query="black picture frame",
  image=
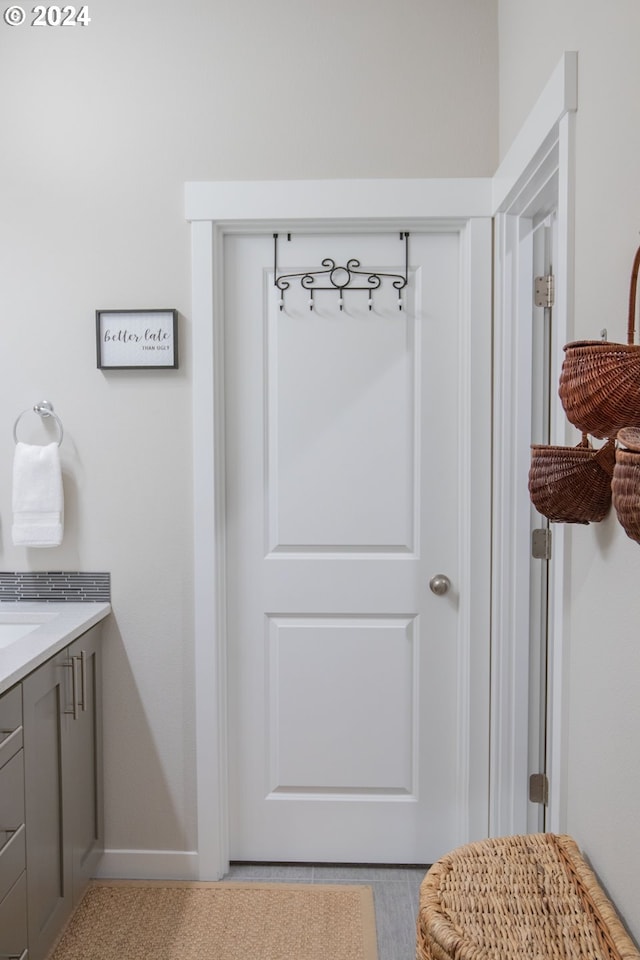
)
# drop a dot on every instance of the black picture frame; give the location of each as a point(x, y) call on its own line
point(137, 339)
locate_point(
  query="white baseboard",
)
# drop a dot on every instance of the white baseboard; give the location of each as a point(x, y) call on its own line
point(148, 865)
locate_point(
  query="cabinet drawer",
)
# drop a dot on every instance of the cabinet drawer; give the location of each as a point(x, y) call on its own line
point(12, 794)
point(12, 859)
point(12, 832)
point(10, 723)
point(13, 920)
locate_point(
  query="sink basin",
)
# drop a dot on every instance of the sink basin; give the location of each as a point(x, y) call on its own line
point(32, 631)
point(15, 625)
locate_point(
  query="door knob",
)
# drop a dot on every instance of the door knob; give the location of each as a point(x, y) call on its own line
point(439, 584)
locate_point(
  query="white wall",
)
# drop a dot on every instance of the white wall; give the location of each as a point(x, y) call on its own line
point(101, 126)
point(603, 596)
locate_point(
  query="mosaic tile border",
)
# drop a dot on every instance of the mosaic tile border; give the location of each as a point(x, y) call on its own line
point(56, 587)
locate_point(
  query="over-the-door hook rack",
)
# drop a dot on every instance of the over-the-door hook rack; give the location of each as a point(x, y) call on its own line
point(341, 278)
point(43, 409)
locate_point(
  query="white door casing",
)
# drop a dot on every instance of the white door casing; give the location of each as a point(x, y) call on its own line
point(350, 730)
point(322, 204)
point(534, 179)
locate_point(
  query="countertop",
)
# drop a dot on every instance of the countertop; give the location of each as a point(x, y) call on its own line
point(62, 623)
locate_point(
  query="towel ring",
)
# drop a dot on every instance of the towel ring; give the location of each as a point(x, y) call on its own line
point(43, 409)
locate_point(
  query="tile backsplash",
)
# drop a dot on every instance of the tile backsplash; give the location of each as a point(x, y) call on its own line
point(56, 586)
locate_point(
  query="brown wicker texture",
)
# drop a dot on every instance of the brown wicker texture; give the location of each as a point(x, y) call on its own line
point(518, 898)
point(572, 484)
point(600, 381)
point(625, 484)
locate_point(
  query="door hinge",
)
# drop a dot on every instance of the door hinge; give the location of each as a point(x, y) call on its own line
point(541, 543)
point(544, 291)
point(539, 788)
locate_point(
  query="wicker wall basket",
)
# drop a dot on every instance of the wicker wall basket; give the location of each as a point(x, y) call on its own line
point(572, 484)
point(600, 381)
point(625, 484)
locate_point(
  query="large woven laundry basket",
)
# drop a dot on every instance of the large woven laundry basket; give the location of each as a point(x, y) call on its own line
point(518, 898)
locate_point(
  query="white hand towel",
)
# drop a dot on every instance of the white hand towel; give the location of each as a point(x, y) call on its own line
point(38, 502)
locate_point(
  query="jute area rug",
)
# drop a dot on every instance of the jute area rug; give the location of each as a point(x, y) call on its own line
point(220, 921)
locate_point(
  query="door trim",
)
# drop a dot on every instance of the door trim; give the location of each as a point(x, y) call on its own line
point(218, 208)
point(536, 176)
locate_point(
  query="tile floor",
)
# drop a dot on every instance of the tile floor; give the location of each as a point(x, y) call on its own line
point(395, 895)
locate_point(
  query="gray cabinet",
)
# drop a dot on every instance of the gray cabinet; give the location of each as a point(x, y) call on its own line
point(84, 768)
point(13, 894)
point(63, 786)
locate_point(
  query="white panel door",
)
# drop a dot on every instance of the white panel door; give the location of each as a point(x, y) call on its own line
point(343, 452)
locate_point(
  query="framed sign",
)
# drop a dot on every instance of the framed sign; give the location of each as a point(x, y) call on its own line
point(136, 339)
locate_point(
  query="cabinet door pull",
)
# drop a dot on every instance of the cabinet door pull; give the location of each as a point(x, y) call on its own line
point(15, 956)
point(6, 735)
point(83, 677)
point(71, 664)
point(11, 835)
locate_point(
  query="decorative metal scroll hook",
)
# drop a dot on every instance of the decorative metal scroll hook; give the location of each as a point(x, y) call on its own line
point(340, 278)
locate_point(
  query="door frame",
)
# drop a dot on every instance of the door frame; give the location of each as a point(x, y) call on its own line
point(536, 176)
point(216, 209)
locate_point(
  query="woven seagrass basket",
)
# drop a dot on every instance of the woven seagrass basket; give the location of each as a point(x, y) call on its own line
point(625, 483)
point(600, 380)
point(528, 897)
point(572, 484)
